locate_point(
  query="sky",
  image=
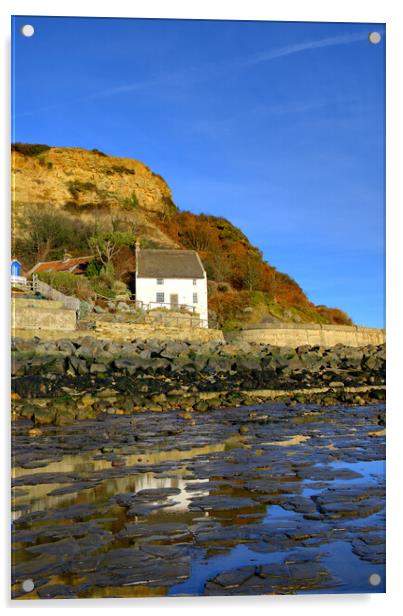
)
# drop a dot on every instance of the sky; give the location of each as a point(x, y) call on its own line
point(277, 126)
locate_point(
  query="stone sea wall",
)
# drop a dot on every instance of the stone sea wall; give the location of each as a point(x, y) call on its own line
point(128, 331)
point(294, 334)
point(63, 380)
point(33, 315)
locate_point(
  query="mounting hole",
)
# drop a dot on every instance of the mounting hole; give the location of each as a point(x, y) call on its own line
point(28, 585)
point(374, 38)
point(27, 30)
point(374, 579)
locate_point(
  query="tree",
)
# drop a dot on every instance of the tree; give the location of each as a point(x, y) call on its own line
point(195, 232)
point(45, 233)
point(108, 243)
point(218, 265)
point(252, 271)
point(246, 268)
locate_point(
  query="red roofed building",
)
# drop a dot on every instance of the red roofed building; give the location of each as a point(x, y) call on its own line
point(74, 265)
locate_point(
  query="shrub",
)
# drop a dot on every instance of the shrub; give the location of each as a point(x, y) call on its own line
point(76, 187)
point(45, 163)
point(29, 149)
point(94, 268)
point(120, 288)
point(68, 283)
point(228, 306)
point(123, 170)
point(101, 286)
point(334, 315)
point(96, 151)
point(130, 203)
point(96, 209)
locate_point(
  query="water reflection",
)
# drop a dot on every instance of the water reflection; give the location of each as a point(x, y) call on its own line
point(39, 497)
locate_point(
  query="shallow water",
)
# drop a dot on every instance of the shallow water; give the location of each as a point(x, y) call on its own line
point(298, 488)
point(353, 574)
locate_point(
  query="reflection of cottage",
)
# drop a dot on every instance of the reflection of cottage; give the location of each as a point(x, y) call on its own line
point(172, 279)
point(74, 265)
point(16, 273)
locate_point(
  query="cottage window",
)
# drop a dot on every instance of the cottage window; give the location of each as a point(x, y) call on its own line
point(160, 298)
point(160, 281)
point(194, 282)
point(195, 298)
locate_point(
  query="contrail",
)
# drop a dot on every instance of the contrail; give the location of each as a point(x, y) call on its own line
point(195, 74)
point(266, 56)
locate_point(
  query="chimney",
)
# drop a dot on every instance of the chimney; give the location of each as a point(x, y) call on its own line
point(137, 256)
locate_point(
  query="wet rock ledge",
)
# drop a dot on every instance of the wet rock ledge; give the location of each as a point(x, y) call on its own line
point(64, 380)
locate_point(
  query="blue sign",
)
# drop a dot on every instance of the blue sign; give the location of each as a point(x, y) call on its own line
point(15, 268)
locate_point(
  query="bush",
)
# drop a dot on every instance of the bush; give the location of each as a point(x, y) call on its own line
point(94, 268)
point(101, 286)
point(123, 170)
point(96, 151)
point(334, 315)
point(84, 288)
point(45, 163)
point(130, 203)
point(76, 187)
point(228, 307)
point(29, 149)
point(68, 283)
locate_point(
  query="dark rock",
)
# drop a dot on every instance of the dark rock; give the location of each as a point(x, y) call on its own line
point(370, 548)
point(57, 591)
point(220, 503)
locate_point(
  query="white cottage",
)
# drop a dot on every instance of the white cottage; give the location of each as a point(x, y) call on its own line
point(171, 279)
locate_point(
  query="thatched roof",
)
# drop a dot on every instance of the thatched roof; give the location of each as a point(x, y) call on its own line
point(169, 264)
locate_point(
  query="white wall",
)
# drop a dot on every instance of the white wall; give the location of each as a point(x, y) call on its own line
point(147, 288)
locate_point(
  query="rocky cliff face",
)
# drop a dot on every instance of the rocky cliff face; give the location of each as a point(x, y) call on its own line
point(75, 176)
point(89, 184)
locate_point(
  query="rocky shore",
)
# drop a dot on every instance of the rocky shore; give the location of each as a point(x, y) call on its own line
point(259, 500)
point(58, 382)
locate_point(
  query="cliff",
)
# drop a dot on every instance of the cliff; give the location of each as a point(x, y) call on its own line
point(60, 196)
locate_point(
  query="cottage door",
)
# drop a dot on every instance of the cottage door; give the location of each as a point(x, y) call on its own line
point(174, 301)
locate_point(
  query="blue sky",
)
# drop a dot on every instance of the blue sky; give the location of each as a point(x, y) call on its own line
point(278, 127)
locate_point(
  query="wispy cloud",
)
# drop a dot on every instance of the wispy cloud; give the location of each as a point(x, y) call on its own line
point(279, 52)
point(195, 74)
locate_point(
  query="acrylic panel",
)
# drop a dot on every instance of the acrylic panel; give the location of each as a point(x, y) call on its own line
point(197, 288)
